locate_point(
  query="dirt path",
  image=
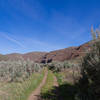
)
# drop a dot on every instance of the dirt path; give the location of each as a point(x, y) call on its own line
point(55, 82)
point(36, 94)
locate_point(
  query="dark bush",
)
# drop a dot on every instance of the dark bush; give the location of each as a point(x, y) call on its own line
point(89, 83)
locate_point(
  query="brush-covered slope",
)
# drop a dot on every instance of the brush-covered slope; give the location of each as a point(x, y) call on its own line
point(58, 55)
point(3, 57)
point(34, 56)
point(14, 56)
point(66, 54)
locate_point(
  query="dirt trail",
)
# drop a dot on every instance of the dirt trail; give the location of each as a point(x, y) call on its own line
point(55, 82)
point(36, 94)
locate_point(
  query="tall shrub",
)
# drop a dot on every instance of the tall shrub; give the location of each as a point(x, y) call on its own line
point(89, 83)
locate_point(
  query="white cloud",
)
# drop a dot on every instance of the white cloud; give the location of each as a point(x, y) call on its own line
point(4, 35)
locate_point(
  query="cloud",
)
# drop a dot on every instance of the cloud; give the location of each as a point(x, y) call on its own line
point(32, 44)
point(4, 34)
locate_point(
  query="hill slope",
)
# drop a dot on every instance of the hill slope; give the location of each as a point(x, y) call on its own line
point(66, 54)
point(58, 55)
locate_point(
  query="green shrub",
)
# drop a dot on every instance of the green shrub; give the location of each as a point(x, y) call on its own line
point(60, 66)
point(17, 70)
point(21, 90)
point(89, 83)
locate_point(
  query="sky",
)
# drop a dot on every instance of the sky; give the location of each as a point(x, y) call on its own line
point(46, 25)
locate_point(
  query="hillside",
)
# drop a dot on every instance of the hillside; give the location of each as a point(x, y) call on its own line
point(43, 57)
point(66, 54)
point(35, 56)
point(3, 57)
point(14, 56)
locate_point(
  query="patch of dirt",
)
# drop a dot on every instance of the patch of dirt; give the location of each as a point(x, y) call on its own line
point(55, 82)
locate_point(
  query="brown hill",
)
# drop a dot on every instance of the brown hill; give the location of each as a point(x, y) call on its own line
point(35, 56)
point(66, 54)
point(58, 55)
point(14, 56)
point(3, 57)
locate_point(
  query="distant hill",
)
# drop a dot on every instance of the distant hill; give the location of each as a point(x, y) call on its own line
point(46, 57)
point(3, 57)
point(14, 56)
point(34, 56)
point(66, 54)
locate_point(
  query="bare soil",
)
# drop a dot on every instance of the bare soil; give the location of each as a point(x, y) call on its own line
point(55, 82)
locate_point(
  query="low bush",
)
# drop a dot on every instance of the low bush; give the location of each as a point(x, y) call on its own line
point(21, 91)
point(60, 66)
point(17, 70)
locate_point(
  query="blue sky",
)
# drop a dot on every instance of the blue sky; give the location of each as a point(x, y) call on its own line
point(46, 25)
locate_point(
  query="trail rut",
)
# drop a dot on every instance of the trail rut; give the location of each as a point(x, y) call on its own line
point(55, 82)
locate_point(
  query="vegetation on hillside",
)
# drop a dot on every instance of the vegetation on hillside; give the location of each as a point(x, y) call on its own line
point(17, 71)
point(20, 91)
point(61, 66)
